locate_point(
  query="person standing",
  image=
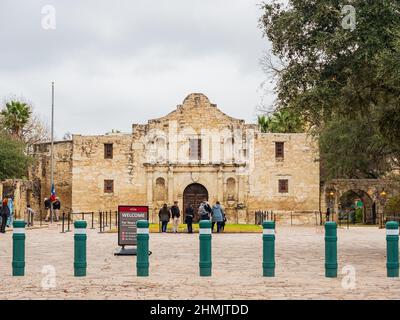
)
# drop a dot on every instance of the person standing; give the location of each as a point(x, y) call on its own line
point(176, 214)
point(203, 213)
point(189, 212)
point(47, 206)
point(164, 215)
point(224, 221)
point(56, 208)
point(217, 216)
point(10, 205)
point(5, 214)
point(29, 215)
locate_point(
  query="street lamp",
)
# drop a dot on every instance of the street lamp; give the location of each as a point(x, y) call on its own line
point(382, 202)
point(331, 200)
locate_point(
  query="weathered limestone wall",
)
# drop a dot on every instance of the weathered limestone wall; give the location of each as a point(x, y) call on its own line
point(299, 166)
point(90, 169)
point(152, 166)
point(40, 174)
point(22, 192)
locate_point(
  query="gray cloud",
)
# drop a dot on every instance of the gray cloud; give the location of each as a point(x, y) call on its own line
point(122, 62)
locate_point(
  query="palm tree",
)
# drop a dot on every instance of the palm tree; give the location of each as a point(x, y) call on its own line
point(16, 115)
point(283, 121)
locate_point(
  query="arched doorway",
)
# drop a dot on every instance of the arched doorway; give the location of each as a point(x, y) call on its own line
point(354, 200)
point(193, 195)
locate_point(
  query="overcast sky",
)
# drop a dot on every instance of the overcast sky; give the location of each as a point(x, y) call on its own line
point(127, 61)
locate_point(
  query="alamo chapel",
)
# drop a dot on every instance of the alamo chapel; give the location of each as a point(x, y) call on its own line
point(194, 153)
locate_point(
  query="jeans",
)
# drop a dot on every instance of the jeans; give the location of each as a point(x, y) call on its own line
point(190, 228)
point(219, 226)
point(164, 225)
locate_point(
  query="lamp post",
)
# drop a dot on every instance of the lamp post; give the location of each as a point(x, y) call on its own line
point(382, 201)
point(331, 200)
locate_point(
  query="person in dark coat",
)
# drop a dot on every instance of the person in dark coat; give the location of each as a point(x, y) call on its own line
point(57, 208)
point(5, 214)
point(189, 212)
point(47, 209)
point(164, 215)
point(176, 214)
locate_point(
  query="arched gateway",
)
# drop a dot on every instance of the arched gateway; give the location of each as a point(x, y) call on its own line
point(194, 194)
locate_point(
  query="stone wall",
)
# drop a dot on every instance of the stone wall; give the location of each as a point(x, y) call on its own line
point(300, 167)
point(40, 173)
point(237, 166)
point(22, 192)
point(90, 169)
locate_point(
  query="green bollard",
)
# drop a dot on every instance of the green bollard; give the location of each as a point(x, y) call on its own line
point(392, 248)
point(331, 264)
point(18, 262)
point(269, 249)
point(80, 249)
point(142, 262)
point(205, 248)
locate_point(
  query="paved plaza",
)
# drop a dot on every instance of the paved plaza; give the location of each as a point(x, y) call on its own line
point(174, 270)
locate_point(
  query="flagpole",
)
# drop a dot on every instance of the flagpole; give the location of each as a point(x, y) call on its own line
point(52, 149)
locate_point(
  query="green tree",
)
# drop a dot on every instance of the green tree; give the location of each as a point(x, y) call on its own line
point(352, 149)
point(283, 121)
point(15, 116)
point(13, 160)
point(336, 76)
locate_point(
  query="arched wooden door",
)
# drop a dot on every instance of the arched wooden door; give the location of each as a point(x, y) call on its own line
point(193, 195)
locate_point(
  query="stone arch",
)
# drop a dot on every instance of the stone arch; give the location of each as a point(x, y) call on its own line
point(193, 195)
point(348, 201)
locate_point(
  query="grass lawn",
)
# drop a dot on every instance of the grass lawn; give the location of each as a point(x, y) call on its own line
point(229, 228)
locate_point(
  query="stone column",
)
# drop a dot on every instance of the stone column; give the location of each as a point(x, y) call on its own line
point(171, 185)
point(150, 194)
point(220, 186)
point(242, 213)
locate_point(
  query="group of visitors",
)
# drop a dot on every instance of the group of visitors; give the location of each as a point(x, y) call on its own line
point(205, 212)
point(7, 209)
point(56, 208)
point(5, 214)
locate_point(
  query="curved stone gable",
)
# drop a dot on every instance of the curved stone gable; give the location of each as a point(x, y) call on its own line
point(198, 112)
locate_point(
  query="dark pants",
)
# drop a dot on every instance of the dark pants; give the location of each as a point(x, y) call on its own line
point(219, 226)
point(190, 227)
point(3, 224)
point(164, 225)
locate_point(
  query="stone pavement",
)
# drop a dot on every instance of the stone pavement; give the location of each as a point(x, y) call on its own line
point(174, 267)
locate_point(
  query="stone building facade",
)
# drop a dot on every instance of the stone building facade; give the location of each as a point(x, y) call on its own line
point(194, 153)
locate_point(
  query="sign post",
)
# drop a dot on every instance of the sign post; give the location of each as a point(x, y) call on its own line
point(127, 227)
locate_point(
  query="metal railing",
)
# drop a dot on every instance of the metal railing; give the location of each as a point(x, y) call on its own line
point(261, 216)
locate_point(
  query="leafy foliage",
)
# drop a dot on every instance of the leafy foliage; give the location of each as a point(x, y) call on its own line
point(283, 121)
point(13, 161)
point(16, 116)
point(336, 78)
